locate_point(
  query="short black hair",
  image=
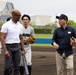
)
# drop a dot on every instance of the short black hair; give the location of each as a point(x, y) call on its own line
point(25, 15)
point(8, 18)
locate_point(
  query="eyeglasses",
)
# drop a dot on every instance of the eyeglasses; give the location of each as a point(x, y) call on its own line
point(16, 15)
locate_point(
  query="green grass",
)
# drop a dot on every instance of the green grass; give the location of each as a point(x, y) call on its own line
point(43, 35)
point(49, 45)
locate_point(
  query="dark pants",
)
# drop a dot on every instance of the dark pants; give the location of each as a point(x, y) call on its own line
point(14, 51)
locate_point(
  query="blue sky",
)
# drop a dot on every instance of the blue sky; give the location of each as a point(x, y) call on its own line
point(46, 7)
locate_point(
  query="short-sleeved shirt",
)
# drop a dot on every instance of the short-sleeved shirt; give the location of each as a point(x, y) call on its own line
point(27, 32)
point(13, 31)
point(62, 38)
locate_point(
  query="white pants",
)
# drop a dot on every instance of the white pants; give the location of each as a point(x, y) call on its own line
point(28, 56)
point(61, 62)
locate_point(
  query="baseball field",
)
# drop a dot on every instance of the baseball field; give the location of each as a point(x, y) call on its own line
point(43, 61)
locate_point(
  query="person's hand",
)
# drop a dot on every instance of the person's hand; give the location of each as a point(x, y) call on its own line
point(73, 41)
point(55, 45)
point(23, 52)
point(6, 53)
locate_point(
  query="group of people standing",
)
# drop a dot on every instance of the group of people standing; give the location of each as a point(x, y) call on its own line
point(14, 40)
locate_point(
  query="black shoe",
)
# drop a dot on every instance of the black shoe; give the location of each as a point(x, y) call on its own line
point(29, 69)
point(22, 70)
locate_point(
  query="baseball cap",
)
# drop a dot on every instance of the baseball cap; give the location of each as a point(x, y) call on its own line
point(62, 16)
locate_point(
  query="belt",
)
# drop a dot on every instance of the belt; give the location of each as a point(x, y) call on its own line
point(12, 43)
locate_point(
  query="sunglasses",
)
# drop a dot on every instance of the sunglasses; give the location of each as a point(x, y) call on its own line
point(16, 15)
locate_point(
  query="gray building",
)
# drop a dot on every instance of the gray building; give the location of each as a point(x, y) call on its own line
point(41, 20)
point(5, 10)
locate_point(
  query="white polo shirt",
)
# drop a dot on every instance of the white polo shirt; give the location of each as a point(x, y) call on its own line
point(13, 31)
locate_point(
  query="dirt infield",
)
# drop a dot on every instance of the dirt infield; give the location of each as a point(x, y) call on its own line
point(43, 61)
